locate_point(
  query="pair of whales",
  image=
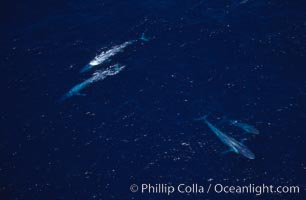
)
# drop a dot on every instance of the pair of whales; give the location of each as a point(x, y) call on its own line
point(232, 143)
point(103, 57)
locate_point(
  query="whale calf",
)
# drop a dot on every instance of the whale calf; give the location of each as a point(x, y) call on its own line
point(246, 127)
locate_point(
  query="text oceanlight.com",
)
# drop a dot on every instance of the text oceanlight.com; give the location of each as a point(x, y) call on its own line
point(217, 188)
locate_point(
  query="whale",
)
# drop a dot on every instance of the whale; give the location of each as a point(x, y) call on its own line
point(104, 56)
point(96, 76)
point(246, 127)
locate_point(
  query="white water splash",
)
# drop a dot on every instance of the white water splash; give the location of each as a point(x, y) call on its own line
point(110, 71)
point(106, 55)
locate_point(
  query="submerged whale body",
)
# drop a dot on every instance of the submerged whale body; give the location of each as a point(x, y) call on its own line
point(233, 144)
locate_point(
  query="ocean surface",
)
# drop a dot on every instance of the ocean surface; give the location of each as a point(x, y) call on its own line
point(229, 59)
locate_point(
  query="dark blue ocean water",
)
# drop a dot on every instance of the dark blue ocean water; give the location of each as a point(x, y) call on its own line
point(241, 59)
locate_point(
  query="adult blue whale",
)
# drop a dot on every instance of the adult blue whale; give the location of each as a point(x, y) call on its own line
point(106, 55)
point(96, 76)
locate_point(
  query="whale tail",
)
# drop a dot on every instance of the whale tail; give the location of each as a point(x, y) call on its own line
point(68, 95)
point(202, 118)
point(86, 68)
point(144, 38)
